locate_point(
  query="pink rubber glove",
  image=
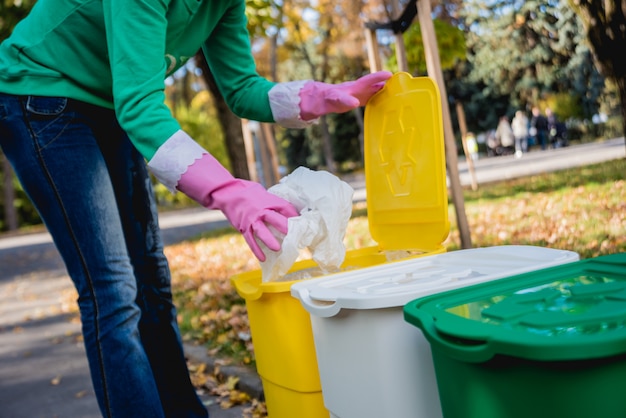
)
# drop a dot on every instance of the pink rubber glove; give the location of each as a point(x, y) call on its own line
point(247, 205)
point(317, 99)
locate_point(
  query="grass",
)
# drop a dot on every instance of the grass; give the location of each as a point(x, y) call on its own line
point(582, 210)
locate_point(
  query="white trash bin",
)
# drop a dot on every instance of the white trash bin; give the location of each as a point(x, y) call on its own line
point(372, 363)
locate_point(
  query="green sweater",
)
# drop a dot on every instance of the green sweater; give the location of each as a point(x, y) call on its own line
point(117, 54)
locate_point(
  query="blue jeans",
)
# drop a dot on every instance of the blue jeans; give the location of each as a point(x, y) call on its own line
point(94, 194)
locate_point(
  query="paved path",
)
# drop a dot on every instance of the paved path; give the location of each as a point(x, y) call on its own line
point(43, 370)
point(536, 162)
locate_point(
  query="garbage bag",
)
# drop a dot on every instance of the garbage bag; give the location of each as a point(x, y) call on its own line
point(325, 205)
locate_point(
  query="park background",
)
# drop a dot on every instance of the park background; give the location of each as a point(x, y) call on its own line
point(496, 56)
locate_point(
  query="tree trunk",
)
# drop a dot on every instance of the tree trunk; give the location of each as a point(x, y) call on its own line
point(372, 50)
point(231, 124)
point(460, 112)
point(248, 139)
point(621, 86)
point(605, 26)
point(267, 129)
point(10, 214)
point(403, 64)
point(359, 120)
point(272, 153)
point(327, 146)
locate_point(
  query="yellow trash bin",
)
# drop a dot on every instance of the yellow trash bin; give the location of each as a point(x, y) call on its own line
point(407, 201)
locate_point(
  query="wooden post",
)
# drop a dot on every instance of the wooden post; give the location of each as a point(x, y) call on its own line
point(460, 113)
point(433, 65)
point(272, 175)
point(403, 64)
point(249, 145)
point(359, 120)
point(372, 50)
point(266, 169)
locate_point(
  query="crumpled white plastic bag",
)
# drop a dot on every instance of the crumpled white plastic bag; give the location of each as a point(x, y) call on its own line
point(325, 204)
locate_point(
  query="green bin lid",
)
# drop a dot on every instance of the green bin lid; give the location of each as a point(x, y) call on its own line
point(570, 312)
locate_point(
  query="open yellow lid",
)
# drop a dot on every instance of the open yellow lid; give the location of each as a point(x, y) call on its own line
point(405, 170)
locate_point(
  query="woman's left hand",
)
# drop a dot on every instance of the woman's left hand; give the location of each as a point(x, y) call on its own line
point(317, 99)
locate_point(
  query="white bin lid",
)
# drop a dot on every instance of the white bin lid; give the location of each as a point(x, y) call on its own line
point(396, 284)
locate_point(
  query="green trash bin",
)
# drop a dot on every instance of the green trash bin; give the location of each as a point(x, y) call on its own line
point(549, 343)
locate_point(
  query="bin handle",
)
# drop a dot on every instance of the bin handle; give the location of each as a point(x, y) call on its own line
point(465, 349)
point(248, 291)
point(321, 308)
point(475, 351)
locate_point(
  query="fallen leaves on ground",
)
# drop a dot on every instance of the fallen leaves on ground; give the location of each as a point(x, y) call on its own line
point(589, 219)
point(215, 384)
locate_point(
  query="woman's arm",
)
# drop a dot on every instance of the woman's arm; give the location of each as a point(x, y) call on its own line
point(135, 36)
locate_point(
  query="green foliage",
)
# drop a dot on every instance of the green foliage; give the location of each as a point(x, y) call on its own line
point(203, 126)
point(482, 110)
point(294, 142)
point(527, 49)
point(565, 106)
point(450, 43)
point(315, 158)
point(27, 215)
point(608, 171)
point(198, 119)
point(522, 54)
point(11, 12)
point(612, 128)
point(262, 16)
point(605, 29)
point(588, 86)
point(345, 132)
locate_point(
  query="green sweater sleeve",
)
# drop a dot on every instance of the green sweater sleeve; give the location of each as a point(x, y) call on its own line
point(136, 39)
point(118, 53)
point(229, 56)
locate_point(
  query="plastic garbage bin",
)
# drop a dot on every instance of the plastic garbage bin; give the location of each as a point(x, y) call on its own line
point(405, 178)
point(545, 344)
point(371, 362)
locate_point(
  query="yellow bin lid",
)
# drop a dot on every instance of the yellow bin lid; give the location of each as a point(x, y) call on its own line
point(405, 170)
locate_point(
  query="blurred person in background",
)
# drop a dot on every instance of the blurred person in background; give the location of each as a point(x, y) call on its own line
point(539, 128)
point(519, 124)
point(504, 135)
point(493, 145)
point(557, 131)
point(472, 145)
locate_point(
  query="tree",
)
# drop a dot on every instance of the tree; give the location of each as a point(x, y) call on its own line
point(451, 42)
point(313, 48)
point(345, 132)
point(605, 27)
point(261, 20)
point(296, 148)
point(231, 124)
point(527, 53)
point(326, 46)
